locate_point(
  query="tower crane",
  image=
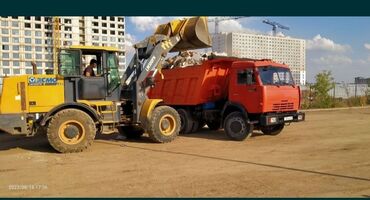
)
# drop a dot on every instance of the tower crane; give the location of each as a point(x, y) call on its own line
point(217, 20)
point(275, 25)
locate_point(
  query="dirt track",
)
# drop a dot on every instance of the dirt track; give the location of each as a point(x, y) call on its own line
point(328, 155)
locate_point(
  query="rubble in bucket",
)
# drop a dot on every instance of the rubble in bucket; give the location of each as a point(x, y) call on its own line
point(188, 58)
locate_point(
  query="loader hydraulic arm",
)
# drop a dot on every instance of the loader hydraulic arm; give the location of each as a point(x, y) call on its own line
point(178, 35)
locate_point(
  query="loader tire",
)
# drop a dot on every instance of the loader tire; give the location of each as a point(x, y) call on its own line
point(132, 131)
point(236, 127)
point(272, 129)
point(188, 125)
point(71, 131)
point(164, 124)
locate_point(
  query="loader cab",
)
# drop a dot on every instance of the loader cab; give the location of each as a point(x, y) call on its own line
point(103, 86)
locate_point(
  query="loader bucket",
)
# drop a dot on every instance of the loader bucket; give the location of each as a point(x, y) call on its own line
point(193, 32)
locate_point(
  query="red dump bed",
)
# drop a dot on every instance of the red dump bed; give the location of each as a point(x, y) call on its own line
point(193, 85)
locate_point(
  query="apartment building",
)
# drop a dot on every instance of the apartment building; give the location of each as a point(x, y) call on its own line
point(30, 38)
point(290, 51)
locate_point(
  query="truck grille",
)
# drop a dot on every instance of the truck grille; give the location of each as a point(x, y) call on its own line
point(282, 106)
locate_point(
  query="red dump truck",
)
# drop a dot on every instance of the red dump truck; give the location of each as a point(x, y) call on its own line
point(239, 95)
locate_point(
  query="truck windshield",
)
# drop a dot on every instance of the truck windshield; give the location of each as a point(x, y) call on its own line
point(271, 75)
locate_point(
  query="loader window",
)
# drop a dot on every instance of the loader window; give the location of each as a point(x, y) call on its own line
point(70, 63)
point(113, 77)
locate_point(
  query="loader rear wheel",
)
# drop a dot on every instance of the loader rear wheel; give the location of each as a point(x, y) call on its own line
point(236, 127)
point(131, 132)
point(272, 129)
point(164, 124)
point(70, 131)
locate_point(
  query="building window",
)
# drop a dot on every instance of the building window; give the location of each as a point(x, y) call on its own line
point(95, 30)
point(112, 32)
point(111, 18)
point(5, 55)
point(17, 71)
point(6, 70)
point(27, 18)
point(15, 24)
point(38, 33)
point(95, 24)
point(104, 38)
point(96, 38)
point(120, 19)
point(95, 17)
point(5, 39)
point(16, 55)
point(112, 39)
point(5, 47)
point(38, 18)
point(15, 63)
point(27, 33)
point(5, 31)
point(28, 48)
point(67, 21)
point(112, 25)
point(27, 25)
point(68, 28)
point(120, 26)
point(68, 35)
point(104, 24)
point(28, 56)
point(28, 71)
point(48, 27)
point(104, 31)
point(15, 32)
point(4, 23)
point(38, 49)
point(104, 18)
point(38, 26)
point(15, 48)
point(120, 33)
point(5, 63)
point(15, 40)
point(38, 41)
point(27, 40)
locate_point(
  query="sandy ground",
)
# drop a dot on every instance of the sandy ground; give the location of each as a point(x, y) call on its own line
point(328, 155)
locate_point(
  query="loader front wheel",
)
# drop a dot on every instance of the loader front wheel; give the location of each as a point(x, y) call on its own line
point(70, 131)
point(164, 124)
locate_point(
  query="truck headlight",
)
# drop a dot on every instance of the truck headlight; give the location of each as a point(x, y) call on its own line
point(272, 120)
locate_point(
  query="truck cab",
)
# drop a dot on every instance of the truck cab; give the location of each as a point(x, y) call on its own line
point(267, 92)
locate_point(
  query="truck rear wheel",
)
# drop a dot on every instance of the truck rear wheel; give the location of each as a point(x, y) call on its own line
point(164, 124)
point(188, 123)
point(236, 127)
point(272, 129)
point(131, 132)
point(70, 131)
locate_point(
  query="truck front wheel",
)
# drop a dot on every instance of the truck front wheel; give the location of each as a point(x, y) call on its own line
point(70, 131)
point(236, 127)
point(272, 129)
point(164, 124)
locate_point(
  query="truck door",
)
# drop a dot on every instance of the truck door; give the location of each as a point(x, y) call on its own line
point(245, 91)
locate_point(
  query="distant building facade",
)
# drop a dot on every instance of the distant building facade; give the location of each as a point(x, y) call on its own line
point(26, 39)
point(290, 51)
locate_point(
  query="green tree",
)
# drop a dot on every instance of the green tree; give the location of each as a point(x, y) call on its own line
point(322, 86)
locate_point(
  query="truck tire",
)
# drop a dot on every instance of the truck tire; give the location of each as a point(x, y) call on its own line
point(188, 124)
point(213, 125)
point(236, 127)
point(132, 131)
point(164, 124)
point(272, 129)
point(70, 131)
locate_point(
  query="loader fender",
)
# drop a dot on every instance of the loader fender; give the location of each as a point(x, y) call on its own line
point(146, 110)
point(83, 107)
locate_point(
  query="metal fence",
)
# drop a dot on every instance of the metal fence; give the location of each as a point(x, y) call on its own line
point(343, 90)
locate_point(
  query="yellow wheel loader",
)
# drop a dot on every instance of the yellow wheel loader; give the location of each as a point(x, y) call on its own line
point(72, 108)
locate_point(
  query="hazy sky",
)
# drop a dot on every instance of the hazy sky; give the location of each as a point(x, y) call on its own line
point(338, 44)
